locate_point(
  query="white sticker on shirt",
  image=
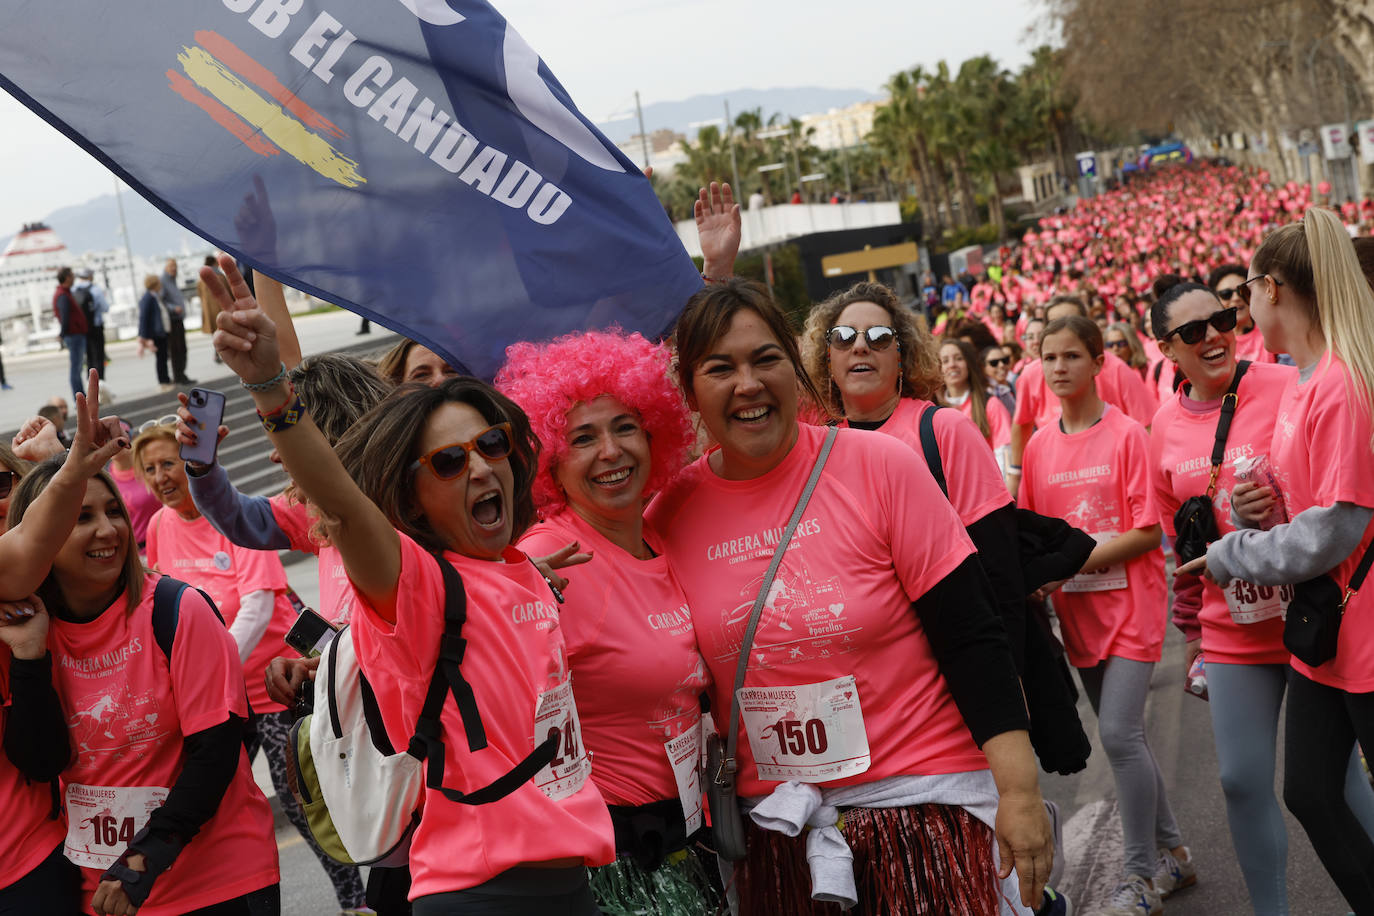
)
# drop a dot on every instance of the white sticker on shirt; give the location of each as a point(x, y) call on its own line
point(1107, 579)
point(684, 756)
point(810, 733)
point(103, 820)
point(1251, 603)
point(555, 716)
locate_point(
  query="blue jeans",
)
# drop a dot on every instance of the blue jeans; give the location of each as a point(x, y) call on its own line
point(76, 352)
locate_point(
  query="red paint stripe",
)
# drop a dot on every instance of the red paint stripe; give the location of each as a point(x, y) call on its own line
point(223, 116)
point(230, 54)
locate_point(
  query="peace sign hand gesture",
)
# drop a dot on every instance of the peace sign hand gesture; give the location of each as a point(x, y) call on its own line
point(247, 338)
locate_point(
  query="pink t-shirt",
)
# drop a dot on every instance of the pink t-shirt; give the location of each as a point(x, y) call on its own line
point(137, 497)
point(1117, 384)
point(1251, 346)
point(515, 654)
point(336, 595)
point(1099, 480)
point(28, 834)
point(876, 535)
point(194, 552)
point(129, 710)
point(999, 421)
point(975, 484)
point(1321, 457)
point(637, 673)
point(1181, 442)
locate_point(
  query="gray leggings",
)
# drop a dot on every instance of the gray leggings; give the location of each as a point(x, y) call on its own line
point(1117, 689)
point(1245, 702)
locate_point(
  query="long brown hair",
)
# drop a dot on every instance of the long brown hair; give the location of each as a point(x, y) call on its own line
point(379, 449)
point(977, 383)
point(920, 372)
point(32, 486)
point(707, 316)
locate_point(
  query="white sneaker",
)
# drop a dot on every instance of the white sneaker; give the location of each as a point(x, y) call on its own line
point(1135, 896)
point(1172, 873)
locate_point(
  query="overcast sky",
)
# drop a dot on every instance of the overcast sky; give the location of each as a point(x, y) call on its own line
point(603, 50)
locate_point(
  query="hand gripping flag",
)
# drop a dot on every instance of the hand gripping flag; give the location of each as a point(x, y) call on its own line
point(411, 160)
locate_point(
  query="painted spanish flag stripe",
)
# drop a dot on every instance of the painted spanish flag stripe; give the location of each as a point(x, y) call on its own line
point(268, 117)
point(223, 116)
point(266, 80)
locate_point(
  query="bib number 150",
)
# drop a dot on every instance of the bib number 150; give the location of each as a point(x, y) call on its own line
point(801, 737)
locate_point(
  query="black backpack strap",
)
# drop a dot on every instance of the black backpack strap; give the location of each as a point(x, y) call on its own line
point(1228, 412)
point(931, 448)
point(428, 744)
point(166, 612)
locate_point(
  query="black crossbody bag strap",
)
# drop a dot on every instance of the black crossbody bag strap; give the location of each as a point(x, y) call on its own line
point(728, 765)
point(931, 448)
point(428, 744)
point(1228, 412)
point(1357, 579)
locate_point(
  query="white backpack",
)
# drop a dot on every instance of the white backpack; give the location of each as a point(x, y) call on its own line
point(361, 797)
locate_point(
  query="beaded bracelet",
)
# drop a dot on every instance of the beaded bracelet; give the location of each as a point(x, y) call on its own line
point(284, 417)
point(268, 385)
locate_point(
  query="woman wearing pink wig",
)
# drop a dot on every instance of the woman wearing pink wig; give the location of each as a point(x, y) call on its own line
point(614, 429)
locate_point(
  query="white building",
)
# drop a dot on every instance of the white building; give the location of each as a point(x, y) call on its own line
point(28, 277)
point(841, 128)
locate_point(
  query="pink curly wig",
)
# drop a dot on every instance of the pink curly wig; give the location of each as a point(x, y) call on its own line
point(547, 380)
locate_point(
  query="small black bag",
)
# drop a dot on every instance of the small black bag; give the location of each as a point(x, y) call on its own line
point(1195, 522)
point(1313, 625)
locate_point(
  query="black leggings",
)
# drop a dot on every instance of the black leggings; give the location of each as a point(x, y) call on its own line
point(53, 886)
point(1322, 723)
point(521, 891)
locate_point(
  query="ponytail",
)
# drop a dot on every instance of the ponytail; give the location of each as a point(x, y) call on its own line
point(1317, 259)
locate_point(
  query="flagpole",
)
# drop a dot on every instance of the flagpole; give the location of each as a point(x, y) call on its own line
point(643, 137)
point(128, 252)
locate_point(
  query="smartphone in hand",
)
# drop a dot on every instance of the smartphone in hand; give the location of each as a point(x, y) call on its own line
point(310, 634)
point(207, 412)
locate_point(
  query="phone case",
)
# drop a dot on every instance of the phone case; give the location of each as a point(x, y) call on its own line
point(207, 409)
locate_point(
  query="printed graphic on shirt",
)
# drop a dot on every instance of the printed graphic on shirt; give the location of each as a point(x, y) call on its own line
point(681, 705)
point(806, 607)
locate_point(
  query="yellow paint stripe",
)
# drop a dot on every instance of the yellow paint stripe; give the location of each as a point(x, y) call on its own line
point(267, 116)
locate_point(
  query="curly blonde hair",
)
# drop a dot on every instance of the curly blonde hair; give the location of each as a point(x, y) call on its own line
point(920, 361)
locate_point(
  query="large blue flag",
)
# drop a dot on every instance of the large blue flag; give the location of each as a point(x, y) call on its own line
point(411, 160)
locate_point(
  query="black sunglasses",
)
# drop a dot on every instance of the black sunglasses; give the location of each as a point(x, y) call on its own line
point(1190, 332)
point(7, 481)
point(879, 337)
point(1000, 361)
point(1244, 289)
point(1119, 344)
point(450, 461)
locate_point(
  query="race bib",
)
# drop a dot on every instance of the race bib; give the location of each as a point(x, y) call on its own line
point(102, 820)
point(1107, 579)
point(810, 733)
point(1251, 603)
point(684, 756)
point(555, 717)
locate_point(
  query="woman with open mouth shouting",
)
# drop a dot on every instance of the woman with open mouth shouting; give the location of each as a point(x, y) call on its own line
point(443, 475)
point(911, 719)
point(614, 429)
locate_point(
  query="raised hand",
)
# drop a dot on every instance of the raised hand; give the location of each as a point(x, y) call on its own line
point(36, 440)
point(96, 440)
point(256, 226)
point(247, 338)
point(718, 228)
